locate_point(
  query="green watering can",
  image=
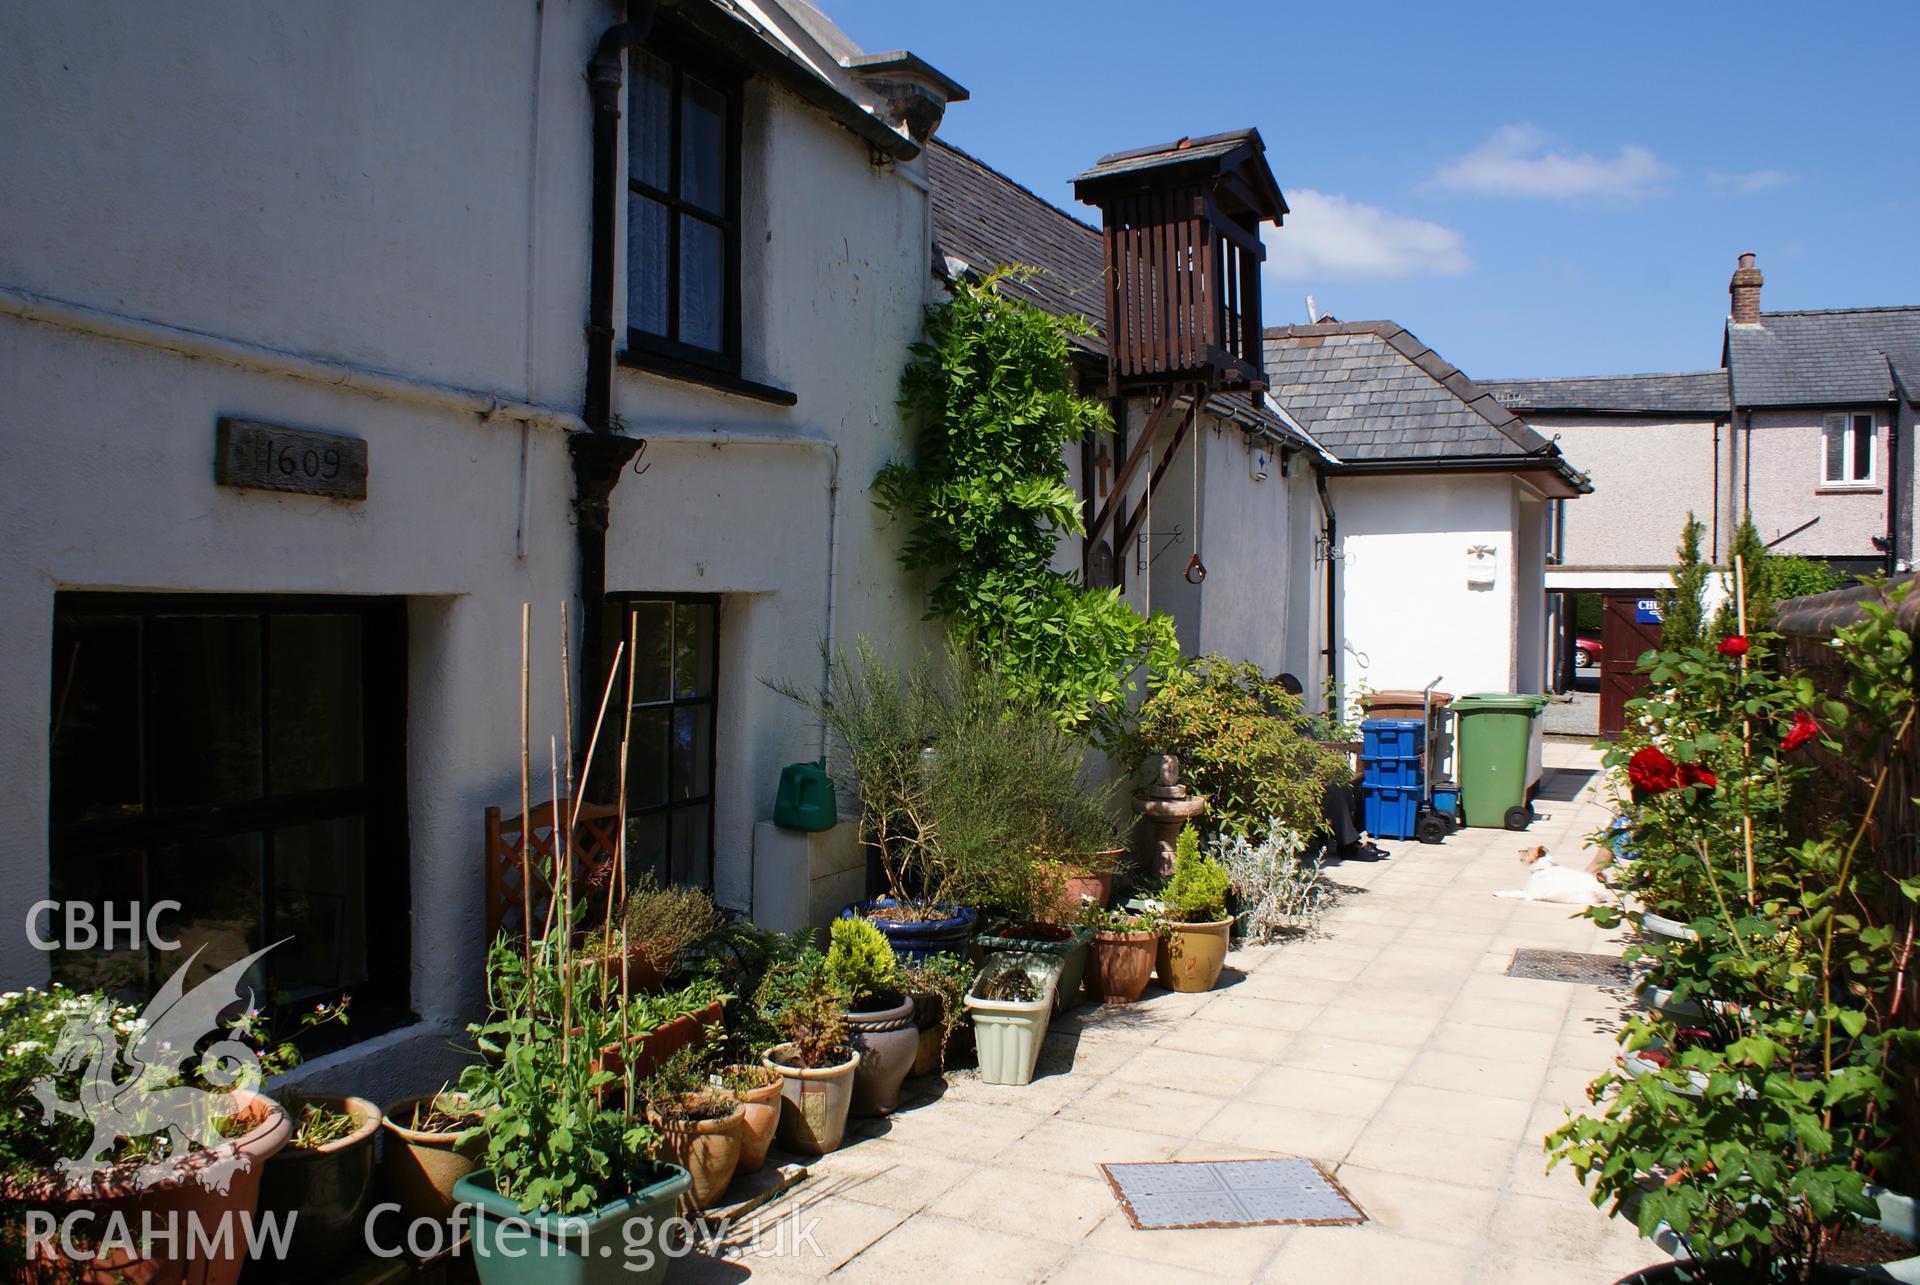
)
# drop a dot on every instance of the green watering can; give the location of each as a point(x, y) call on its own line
point(805, 800)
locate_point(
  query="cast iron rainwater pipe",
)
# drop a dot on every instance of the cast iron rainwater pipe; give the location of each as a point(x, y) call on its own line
point(1332, 652)
point(600, 454)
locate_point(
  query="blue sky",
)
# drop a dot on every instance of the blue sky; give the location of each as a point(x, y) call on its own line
point(1532, 189)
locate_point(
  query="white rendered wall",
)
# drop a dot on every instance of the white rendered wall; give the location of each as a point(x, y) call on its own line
point(1407, 607)
point(365, 182)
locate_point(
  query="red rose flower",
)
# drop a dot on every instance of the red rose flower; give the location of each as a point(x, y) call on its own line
point(1733, 645)
point(1694, 774)
point(1804, 729)
point(1652, 772)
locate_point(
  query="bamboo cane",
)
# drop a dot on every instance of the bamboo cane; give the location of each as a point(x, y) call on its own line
point(620, 855)
point(526, 771)
point(1746, 726)
point(559, 855)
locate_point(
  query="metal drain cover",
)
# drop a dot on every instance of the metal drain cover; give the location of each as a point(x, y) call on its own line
point(1570, 966)
point(1230, 1193)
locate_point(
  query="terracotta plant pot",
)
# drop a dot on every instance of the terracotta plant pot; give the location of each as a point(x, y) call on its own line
point(813, 1112)
point(613, 1243)
point(709, 1150)
point(1120, 964)
point(651, 1048)
point(176, 1200)
point(323, 1191)
point(418, 1168)
point(760, 1117)
point(1092, 883)
point(888, 1041)
point(1190, 956)
point(642, 977)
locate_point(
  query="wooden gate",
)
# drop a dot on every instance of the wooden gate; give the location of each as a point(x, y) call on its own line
point(1623, 637)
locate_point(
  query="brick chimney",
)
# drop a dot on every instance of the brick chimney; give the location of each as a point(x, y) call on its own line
point(1745, 289)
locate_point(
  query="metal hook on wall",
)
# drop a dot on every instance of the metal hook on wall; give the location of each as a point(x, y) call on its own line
point(637, 469)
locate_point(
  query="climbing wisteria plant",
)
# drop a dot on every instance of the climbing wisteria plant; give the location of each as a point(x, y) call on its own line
point(1756, 1103)
point(987, 499)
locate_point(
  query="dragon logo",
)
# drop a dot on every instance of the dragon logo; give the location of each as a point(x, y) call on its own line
point(141, 1089)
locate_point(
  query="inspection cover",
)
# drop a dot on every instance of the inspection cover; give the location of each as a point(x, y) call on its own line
point(1230, 1193)
point(1570, 966)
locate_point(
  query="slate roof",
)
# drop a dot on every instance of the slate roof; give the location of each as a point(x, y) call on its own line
point(1180, 151)
point(985, 219)
point(982, 219)
point(1371, 390)
point(1692, 392)
point(1830, 357)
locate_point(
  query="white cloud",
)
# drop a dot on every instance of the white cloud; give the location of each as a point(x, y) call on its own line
point(1328, 236)
point(1519, 160)
point(1749, 181)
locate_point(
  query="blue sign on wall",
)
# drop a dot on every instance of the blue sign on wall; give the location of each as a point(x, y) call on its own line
point(1646, 611)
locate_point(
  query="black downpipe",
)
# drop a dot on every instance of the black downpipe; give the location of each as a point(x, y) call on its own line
point(600, 454)
point(1333, 586)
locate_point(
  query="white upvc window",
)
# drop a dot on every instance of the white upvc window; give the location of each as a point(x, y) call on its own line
point(1847, 449)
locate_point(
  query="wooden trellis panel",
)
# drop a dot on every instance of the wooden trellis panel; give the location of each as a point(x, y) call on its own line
point(596, 845)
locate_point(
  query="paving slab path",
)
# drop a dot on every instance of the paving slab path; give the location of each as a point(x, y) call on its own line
point(1391, 1047)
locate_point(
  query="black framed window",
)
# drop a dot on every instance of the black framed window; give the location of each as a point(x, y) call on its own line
point(671, 756)
point(245, 757)
point(683, 198)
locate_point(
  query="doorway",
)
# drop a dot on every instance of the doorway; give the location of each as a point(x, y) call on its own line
point(1630, 626)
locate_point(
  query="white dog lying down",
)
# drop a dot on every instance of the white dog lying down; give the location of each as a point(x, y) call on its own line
point(1549, 882)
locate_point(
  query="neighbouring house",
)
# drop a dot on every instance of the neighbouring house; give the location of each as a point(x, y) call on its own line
point(1440, 504)
point(1808, 425)
point(329, 333)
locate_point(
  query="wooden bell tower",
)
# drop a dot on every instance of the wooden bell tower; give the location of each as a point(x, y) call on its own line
point(1181, 230)
point(1182, 235)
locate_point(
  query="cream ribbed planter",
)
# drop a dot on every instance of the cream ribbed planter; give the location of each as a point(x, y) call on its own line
point(1007, 1034)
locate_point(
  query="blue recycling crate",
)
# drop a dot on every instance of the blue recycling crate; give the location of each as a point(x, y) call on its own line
point(1395, 772)
point(1389, 812)
point(1392, 738)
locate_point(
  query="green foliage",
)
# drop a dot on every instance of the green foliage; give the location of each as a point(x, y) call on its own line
point(799, 1002)
point(1798, 577)
point(1681, 614)
point(987, 499)
point(965, 787)
point(548, 1137)
point(939, 984)
point(662, 923)
point(1753, 1132)
point(1197, 893)
point(861, 963)
point(1242, 741)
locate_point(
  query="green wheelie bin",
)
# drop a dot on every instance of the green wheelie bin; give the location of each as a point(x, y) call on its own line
point(1498, 745)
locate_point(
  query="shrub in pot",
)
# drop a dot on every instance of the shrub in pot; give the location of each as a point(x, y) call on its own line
point(1749, 1144)
point(1121, 957)
point(880, 1026)
point(702, 1126)
point(651, 933)
point(571, 1188)
point(1193, 943)
point(430, 1145)
point(321, 1183)
point(938, 987)
point(817, 1066)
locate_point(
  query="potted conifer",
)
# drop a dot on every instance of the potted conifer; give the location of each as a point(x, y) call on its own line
point(1193, 946)
point(880, 1026)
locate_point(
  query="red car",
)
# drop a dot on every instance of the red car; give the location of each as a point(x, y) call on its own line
point(1586, 650)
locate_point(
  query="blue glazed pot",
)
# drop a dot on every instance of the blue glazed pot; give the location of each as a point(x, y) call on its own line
point(622, 1241)
point(915, 941)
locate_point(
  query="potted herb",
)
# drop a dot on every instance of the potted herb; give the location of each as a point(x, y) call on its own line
point(659, 1026)
point(1193, 946)
point(757, 1090)
point(1121, 958)
point(1010, 1005)
point(656, 928)
point(430, 1145)
point(880, 1026)
point(702, 1127)
point(816, 1065)
point(938, 987)
point(199, 1158)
